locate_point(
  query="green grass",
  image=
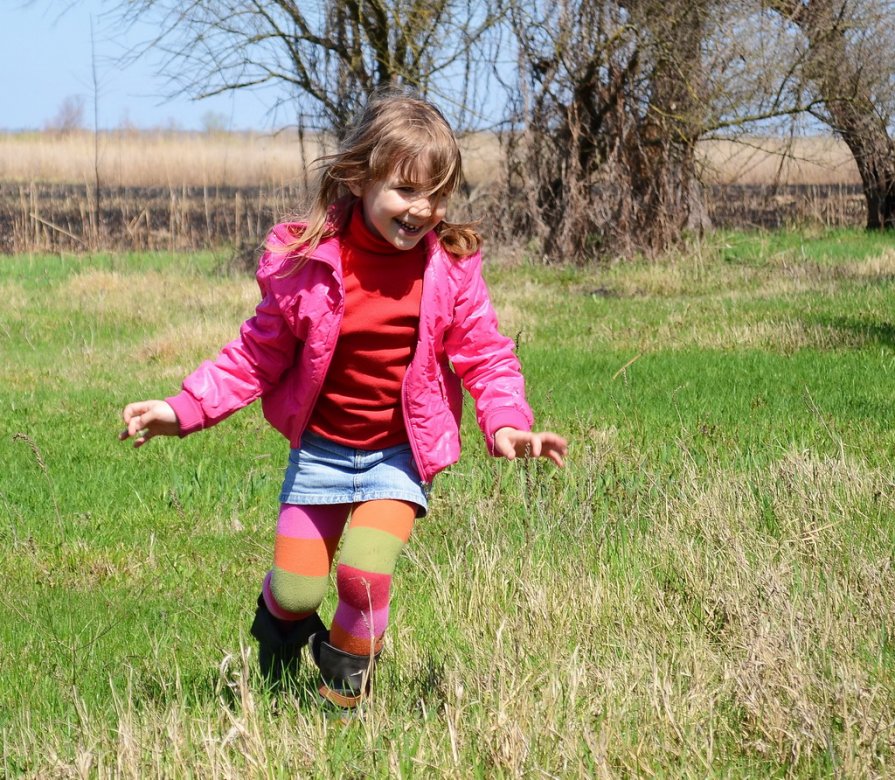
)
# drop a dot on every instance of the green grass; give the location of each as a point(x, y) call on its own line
point(706, 590)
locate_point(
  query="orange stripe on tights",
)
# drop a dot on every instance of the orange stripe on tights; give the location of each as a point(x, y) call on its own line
point(385, 514)
point(307, 557)
point(339, 637)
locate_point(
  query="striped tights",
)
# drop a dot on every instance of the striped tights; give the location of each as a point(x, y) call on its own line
point(306, 542)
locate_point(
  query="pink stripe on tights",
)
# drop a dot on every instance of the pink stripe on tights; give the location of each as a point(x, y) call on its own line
point(312, 522)
point(357, 622)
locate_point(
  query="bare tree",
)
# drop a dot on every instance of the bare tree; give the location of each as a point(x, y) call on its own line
point(847, 46)
point(322, 58)
point(70, 116)
point(611, 108)
point(661, 155)
point(615, 96)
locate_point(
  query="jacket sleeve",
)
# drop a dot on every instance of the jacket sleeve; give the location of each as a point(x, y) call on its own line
point(484, 359)
point(245, 368)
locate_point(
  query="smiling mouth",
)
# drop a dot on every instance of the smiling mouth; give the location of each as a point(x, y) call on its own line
point(407, 227)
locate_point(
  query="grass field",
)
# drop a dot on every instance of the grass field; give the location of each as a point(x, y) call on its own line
point(159, 159)
point(146, 191)
point(707, 590)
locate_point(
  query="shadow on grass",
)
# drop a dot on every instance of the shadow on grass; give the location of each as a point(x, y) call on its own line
point(880, 333)
point(425, 684)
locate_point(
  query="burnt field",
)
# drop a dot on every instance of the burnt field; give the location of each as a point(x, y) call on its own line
point(746, 206)
point(65, 217)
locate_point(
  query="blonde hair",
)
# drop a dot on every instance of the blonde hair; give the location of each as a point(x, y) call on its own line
point(396, 132)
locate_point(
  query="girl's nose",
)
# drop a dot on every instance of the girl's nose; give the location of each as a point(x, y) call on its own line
point(422, 207)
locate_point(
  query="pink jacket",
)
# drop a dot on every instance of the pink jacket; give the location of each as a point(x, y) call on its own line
point(283, 352)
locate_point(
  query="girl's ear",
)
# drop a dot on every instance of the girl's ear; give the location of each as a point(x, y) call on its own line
point(355, 189)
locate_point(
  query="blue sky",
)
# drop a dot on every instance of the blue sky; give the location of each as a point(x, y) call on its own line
point(45, 57)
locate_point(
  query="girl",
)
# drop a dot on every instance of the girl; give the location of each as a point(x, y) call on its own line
point(373, 311)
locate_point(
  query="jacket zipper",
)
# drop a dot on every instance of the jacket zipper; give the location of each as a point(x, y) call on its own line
point(411, 436)
point(330, 351)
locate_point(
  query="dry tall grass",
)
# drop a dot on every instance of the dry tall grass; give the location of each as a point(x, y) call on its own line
point(128, 159)
point(800, 161)
point(131, 190)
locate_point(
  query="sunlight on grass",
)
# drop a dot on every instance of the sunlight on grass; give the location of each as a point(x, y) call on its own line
point(155, 296)
point(706, 589)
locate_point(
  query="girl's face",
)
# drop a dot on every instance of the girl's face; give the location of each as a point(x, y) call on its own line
point(400, 211)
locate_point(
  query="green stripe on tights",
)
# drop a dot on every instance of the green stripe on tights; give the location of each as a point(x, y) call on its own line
point(370, 549)
point(295, 592)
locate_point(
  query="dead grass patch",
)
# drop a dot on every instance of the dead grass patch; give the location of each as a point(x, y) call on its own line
point(14, 297)
point(781, 336)
point(514, 302)
point(782, 273)
point(797, 270)
point(767, 580)
point(153, 296)
point(177, 349)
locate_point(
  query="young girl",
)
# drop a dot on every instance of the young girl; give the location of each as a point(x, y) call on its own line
point(373, 311)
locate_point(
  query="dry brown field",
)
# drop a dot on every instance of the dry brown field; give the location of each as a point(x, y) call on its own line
point(818, 160)
point(145, 190)
point(153, 159)
point(130, 159)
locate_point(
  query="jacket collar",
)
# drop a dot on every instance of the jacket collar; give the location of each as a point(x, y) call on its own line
point(329, 250)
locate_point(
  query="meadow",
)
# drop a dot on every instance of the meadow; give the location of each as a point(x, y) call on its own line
point(129, 190)
point(123, 158)
point(706, 590)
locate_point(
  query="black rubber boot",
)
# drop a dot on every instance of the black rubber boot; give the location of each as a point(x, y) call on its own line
point(279, 650)
point(345, 678)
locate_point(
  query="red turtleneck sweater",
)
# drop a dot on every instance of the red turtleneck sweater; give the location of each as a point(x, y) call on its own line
point(360, 403)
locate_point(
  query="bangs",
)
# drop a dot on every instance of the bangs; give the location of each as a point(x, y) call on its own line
point(431, 163)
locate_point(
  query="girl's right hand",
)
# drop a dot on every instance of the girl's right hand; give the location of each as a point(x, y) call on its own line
point(145, 419)
point(511, 443)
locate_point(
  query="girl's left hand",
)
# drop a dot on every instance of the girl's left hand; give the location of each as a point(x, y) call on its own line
point(512, 443)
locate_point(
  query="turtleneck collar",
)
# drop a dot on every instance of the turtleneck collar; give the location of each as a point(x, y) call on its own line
point(360, 238)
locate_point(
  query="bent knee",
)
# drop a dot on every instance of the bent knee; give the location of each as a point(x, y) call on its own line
point(297, 593)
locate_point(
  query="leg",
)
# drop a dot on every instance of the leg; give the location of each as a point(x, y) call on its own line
point(376, 534)
point(306, 541)
point(286, 615)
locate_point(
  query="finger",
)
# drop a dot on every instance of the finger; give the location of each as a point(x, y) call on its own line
point(554, 439)
point(556, 458)
point(503, 446)
point(534, 447)
point(135, 424)
point(136, 408)
point(556, 443)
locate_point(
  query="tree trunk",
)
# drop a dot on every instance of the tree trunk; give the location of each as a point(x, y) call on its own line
point(661, 155)
point(874, 155)
point(608, 166)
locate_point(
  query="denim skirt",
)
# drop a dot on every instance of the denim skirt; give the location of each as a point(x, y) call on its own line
point(323, 472)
